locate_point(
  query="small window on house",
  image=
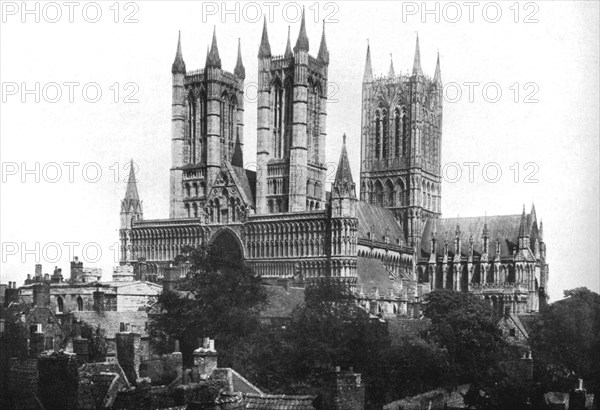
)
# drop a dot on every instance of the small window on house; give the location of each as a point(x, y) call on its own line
point(512, 332)
point(79, 303)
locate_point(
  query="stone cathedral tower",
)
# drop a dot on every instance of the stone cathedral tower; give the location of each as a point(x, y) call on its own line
point(401, 137)
point(292, 97)
point(207, 129)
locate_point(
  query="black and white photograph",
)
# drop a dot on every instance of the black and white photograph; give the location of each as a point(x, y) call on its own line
point(300, 205)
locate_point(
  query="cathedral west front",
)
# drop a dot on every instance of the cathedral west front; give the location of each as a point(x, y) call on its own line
point(389, 244)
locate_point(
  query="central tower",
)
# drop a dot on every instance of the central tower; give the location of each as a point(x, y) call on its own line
point(401, 137)
point(291, 126)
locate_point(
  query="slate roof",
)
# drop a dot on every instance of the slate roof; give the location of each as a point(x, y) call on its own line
point(373, 218)
point(245, 180)
point(372, 274)
point(506, 227)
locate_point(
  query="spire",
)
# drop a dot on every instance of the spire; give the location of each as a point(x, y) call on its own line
point(343, 184)
point(457, 231)
point(523, 228)
point(239, 70)
point(132, 192)
point(265, 48)
point(368, 76)
point(323, 52)
point(288, 46)
point(237, 159)
point(207, 54)
point(391, 73)
point(213, 59)
point(302, 41)
point(417, 63)
point(437, 78)
point(541, 231)
point(178, 66)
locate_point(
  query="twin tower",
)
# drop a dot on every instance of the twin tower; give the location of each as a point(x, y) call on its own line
point(208, 125)
point(400, 135)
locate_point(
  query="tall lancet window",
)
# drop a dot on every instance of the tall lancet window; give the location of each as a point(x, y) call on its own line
point(405, 132)
point(386, 139)
point(397, 136)
point(231, 126)
point(377, 134)
point(278, 106)
point(191, 129)
point(201, 128)
point(312, 123)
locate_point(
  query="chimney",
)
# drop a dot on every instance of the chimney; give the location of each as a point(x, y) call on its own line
point(129, 354)
point(507, 311)
point(11, 294)
point(76, 270)
point(577, 397)
point(344, 390)
point(38, 270)
point(41, 294)
point(46, 277)
point(205, 358)
point(99, 300)
point(57, 275)
point(58, 380)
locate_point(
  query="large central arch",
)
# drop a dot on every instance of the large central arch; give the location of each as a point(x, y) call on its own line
point(226, 241)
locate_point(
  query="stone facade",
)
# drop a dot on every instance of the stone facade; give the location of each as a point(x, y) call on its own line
point(281, 220)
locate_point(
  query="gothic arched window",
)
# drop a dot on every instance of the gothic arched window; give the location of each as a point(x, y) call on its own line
point(79, 303)
point(386, 140)
point(405, 132)
point(60, 304)
point(397, 138)
point(377, 134)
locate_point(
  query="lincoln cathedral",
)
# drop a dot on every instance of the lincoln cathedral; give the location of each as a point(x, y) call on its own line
point(389, 244)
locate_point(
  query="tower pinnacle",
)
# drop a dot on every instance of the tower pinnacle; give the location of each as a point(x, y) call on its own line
point(178, 66)
point(288, 46)
point(437, 78)
point(265, 48)
point(323, 52)
point(417, 63)
point(343, 185)
point(391, 73)
point(213, 59)
point(368, 76)
point(302, 41)
point(239, 70)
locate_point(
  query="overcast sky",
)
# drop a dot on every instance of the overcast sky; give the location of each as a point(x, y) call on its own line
point(542, 56)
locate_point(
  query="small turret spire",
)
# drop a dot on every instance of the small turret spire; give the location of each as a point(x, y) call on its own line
point(368, 76)
point(343, 184)
point(323, 52)
point(391, 73)
point(213, 59)
point(288, 47)
point(131, 193)
point(265, 48)
point(239, 70)
point(302, 41)
point(417, 63)
point(437, 78)
point(178, 66)
point(523, 229)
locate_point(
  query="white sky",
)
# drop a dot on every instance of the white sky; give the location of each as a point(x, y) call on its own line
point(559, 133)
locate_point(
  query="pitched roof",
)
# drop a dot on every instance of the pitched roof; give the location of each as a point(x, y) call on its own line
point(245, 181)
point(373, 276)
point(505, 227)
point(278, 402)
point(379, 221)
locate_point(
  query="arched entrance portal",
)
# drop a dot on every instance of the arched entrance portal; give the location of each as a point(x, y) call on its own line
point(228, 245)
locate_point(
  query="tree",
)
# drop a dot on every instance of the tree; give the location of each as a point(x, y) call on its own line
point(566, 341)
point(219, 298)
point(464, 324)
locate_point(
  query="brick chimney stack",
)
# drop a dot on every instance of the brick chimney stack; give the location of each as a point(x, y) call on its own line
point(205, 358)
